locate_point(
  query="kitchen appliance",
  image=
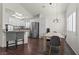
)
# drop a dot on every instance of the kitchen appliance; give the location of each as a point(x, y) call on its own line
point(35, 30)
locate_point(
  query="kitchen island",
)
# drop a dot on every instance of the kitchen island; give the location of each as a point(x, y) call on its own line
point(17, 37)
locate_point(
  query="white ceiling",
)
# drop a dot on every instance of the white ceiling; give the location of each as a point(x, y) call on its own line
point(36, 8)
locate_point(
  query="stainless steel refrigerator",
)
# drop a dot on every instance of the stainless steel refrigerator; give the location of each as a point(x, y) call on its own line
point(35, 30)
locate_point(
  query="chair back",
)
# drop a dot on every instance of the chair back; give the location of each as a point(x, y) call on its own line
point(55, 41)
point(48, 30)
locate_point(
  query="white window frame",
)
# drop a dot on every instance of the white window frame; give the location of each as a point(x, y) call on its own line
point(71, 22)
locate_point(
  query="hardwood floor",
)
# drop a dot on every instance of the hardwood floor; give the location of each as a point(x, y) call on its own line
point(34, 47)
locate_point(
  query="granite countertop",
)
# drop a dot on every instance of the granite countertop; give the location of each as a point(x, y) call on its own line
point(18, 31)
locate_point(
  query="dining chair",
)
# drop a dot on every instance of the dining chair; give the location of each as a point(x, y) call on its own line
point(47, 31)
point(54, 42)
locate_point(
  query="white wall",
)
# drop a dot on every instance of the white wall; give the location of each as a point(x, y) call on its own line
point(42, 26)
point(14, 7)
point(78, 26)
point(59, 27)
point(0, 23)
point(73, 38)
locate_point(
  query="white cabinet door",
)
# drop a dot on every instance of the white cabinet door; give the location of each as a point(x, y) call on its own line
point(16, 21)
point(12, 21)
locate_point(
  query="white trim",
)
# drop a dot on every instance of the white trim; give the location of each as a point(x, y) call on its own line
point(72, 48)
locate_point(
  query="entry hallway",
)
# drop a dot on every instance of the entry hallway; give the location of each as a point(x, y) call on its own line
point(34, 47)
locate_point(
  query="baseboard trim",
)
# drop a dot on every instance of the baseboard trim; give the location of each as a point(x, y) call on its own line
point(71, 48)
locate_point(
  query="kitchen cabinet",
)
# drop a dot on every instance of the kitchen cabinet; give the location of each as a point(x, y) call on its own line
point(16, 21)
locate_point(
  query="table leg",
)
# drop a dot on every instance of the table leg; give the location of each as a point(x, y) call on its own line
point(44, 44)
point(62, 47)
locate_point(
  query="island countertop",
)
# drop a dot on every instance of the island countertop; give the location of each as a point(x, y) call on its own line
point(18, 31)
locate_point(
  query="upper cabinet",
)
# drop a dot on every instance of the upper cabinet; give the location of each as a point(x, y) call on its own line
point(16, 22)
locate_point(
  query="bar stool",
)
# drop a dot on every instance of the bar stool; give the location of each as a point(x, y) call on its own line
point(11, 37)
point(20, 37)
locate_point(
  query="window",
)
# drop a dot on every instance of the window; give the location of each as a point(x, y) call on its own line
point(71, 22)
point(74, 22)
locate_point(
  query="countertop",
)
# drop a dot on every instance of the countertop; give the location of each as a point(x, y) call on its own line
point(18, 31)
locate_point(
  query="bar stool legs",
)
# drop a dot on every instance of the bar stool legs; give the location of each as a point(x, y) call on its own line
point(49, 50)
point(23, 42)
point(7, 44)
point(16, 43)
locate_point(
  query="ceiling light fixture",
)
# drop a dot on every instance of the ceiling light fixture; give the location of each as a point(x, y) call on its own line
point(56, 20)
point(50, 5)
